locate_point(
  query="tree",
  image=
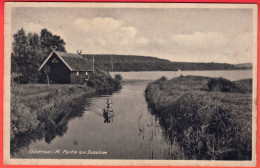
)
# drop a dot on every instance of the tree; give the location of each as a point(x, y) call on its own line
point(45, 41)
point(58, 43)
point(19, 53)
point(19, 44)
point(14, 71)
point(29, 51)
point(49, 41)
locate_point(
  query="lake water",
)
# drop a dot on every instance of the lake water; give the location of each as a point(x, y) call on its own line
point(132, 133)
point(153, 75)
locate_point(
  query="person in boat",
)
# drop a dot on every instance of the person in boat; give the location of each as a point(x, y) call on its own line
point(108, 112)
point(109, 105)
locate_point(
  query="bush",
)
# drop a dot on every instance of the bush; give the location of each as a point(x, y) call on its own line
point(103, 81)
point(162, 79)
point(118, 81)
point(224, 85)
point(220, 84)
point(118, 77)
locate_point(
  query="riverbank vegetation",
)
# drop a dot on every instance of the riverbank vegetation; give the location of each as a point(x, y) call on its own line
point(43, 111)
point(207, 118)
point(103, 81)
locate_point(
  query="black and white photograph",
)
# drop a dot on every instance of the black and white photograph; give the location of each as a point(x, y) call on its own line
point(130, 84)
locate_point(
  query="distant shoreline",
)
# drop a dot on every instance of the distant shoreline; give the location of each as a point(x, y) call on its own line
point(125, 63)
point(184, 70)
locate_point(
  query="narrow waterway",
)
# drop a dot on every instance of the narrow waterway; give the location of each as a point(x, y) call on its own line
point(131, 133)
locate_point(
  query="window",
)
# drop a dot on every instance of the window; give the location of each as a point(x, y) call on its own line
point(77, 73)
point(54, 60)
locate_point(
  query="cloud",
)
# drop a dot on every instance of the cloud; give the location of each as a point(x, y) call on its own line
point(205, 47)
point(241, 47)
point(200, 41)
point(33, 28)
point(108, 34)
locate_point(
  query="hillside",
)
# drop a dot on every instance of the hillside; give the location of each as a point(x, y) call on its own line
point(245, 65)
point(147, 63)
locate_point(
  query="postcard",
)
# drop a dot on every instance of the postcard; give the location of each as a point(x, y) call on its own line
point(139, 84)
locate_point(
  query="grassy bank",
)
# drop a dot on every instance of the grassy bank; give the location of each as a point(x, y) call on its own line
point(43, 111)
point(208, 118)
point(42, 107)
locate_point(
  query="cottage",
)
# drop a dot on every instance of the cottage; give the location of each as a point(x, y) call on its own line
point(67, 68)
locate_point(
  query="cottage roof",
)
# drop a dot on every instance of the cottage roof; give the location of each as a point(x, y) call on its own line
point(74, 62)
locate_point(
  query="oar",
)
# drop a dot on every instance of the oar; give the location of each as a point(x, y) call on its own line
point(101, 108)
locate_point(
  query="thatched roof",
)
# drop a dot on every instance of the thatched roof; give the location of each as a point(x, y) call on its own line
point(74, 62)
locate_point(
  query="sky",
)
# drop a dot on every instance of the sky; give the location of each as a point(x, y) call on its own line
point(176, 34)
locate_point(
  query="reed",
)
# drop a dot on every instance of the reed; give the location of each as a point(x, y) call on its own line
point(206, 123)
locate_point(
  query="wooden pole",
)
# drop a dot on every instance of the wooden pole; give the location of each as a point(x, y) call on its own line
point(48, 80)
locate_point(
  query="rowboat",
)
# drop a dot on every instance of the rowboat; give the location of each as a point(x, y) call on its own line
point(108, 112)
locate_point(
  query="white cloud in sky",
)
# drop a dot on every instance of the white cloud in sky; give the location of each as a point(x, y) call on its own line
point(241, 47)
point(108, 34)
point(206, 46)
point(33, 27)
point(211, 35)
point(200, 40)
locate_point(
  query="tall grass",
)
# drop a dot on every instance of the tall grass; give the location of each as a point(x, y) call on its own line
point(44, 113)
point(207, 125)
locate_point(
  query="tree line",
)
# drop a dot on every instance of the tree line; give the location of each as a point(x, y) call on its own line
point(113, 62)
point(29, 51)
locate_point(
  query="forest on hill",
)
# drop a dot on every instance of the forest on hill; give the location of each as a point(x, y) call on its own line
point(146, 63)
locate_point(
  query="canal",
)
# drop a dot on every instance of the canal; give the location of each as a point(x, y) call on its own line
point(132, 133)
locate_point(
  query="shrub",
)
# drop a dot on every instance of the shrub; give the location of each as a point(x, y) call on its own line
point(162, 79)
point(118, 77)
point(224, 85)
point(118, 81)
point(103, 81)
point(220, 84)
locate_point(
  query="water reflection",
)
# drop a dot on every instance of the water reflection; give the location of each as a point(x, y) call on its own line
point(49, 128)
point(108, 116)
